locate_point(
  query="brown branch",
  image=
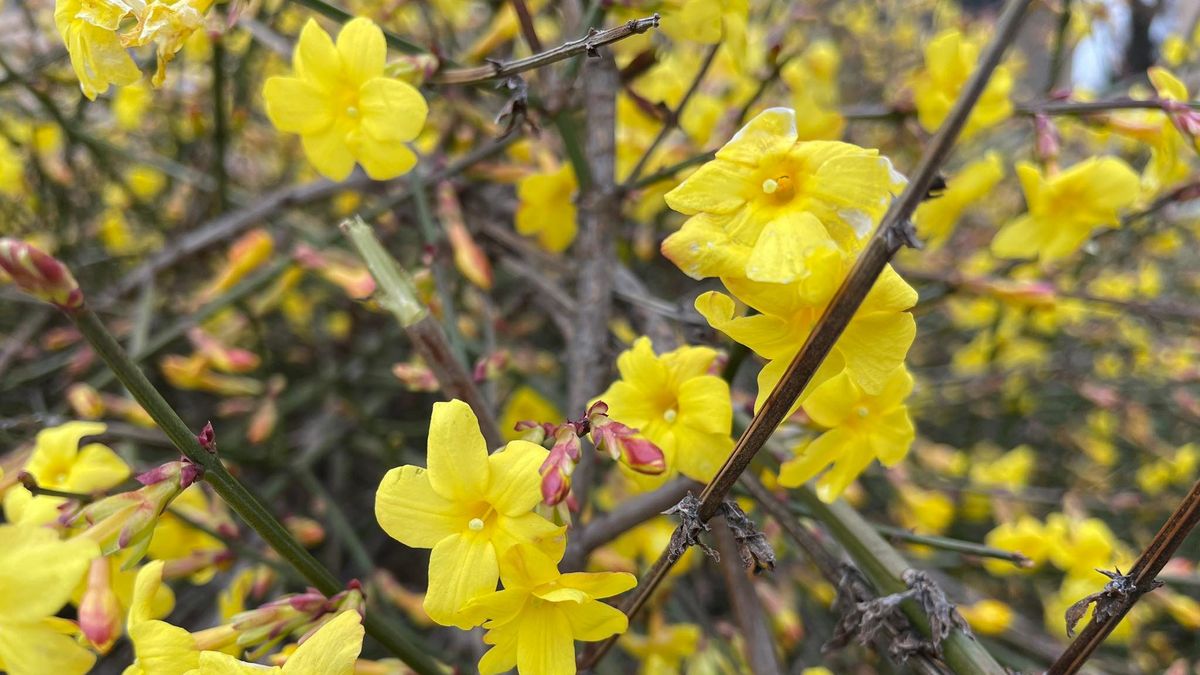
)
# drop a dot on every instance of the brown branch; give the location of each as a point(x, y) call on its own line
point(871, 111)
point(1142, 579)
point(893, 232)
point(637, 510)
point(595, 251)
point(757, 641)
point(432, 344)
point(587, 44)
point(527, 29)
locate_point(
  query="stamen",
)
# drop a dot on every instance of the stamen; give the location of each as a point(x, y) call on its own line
point(476, 525)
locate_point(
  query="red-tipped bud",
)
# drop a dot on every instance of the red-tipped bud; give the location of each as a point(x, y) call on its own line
point(491, 366)
point(100, 616)
point(208, 438)
point(416, 376)
point(1048, 142)
point(622, 443)
point(559, 465)
point(39, 274)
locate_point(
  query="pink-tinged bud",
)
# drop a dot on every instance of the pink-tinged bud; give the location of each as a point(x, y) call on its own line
point(246, 255)
point(39, 274)
point(1028, 293)
point(100, 616)
point(559, 465)
point(642, 456)
point(469, 258)
point(1185, 119)
point(416, 376)
point(208, 438)
point(60, 338)
point(126, 521)
point(306, 530)
point(263, 423)
point(85, 401)
point(339, 268)
point(222, 357)
point(1048, 142)
point(491, 366)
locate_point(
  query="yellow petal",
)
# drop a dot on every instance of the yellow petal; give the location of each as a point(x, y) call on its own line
point(529, 528)
point(704, 248)
point(411, 512)
point(785, 247)
point(699, 455)
point(716, 187)
point(814, 457)
point(37, 649)
point(392, 110)
point(833, 401)
point(332, 650)
point(495, 608)
point(768, 336)
point(163, 649)
point(704, 405)
point(594, 621)
point(316, 59)
point(220, 663)
point(771, 131)
point(56, 449)
point(501, 658)
point(381, 159)
point(515, 485)
point(296, 106)
point(544, 642)
point(145, 588)
point(328, 152)
point(457, 453)
point(461, 567)
point(38, 571)
point(96, 468)
point(874, 346)
point(363, 50)
point(599, 584)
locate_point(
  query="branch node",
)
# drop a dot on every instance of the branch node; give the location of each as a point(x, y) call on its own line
point(903, 233)
point(687, 534)
point(882, 617)
point(753, 548)
point(1109, 601)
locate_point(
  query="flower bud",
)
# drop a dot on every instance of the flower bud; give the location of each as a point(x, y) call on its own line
point(246, 255)
point(100, 615)
point(622, 443)
point(85, 401)
point(127, 520)
point(39, 274)
point(468, 256)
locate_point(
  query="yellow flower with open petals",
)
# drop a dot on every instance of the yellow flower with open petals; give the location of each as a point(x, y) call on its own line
point(768, 199)
point(535, 620)
point(38, 572)
point(1066, 208)
point(666, 648)
point(860, 428)
point(88, 28)
point(343, 107)
point(547, 208)
point(468, 507)
point(871, 348)
point(950, 59)
point(676, 404)
point(57, 462)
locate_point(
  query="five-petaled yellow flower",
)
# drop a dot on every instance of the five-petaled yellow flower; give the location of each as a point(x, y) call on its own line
point(768, 198)
point(468, 507)
point(343, 106)
point(535, 620)
point(1066, 208)
point(676, 404)
point(859, 428)
point(950, 58)
point(547, 208)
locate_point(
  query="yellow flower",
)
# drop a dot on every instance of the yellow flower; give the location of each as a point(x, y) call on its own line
point(343, 107)
point(88, 28)
point(1026, 536)
point(950, 59)
point(57, 462)
point(468, 507)
point(768, 201)
point(12, 170)
point(547, 208)
point(332, 650)
point(1009, 471)
point(708, 22)
point(935, 218)
point(38, 572)
point(533, 623)
point(871, 348)
point(924, 511)
point(676, 404)
point(860, 428)
point(812, 78)
point(1080, 546)
point(987, 617)
point(1066, 208)
point(665, 648)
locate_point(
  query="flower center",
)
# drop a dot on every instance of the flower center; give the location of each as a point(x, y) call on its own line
point(670, 414)
point(862, 411)
point(779, 188)
point(351, 112)
point(476, 524)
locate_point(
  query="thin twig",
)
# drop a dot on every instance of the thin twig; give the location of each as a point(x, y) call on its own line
point(673, 118)
point(889, 237)
point(757, 641)
point(587, 44)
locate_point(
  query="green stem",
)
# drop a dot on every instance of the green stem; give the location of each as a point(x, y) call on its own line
point(230, 489)
point(883, 566)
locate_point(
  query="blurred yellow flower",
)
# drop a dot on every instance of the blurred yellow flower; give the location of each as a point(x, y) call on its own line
point(936, 218)
point(950, 58)
point(343, 106)
point(1066, 208)
point(547, 208)
point(987, 617)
